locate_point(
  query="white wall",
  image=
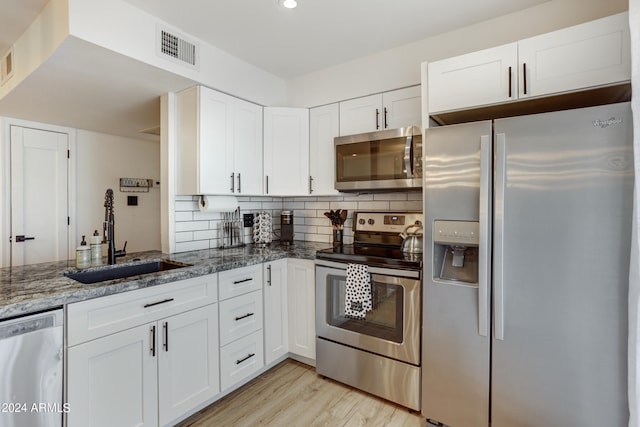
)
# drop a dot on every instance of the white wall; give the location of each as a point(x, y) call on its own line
point(117, 25)
point(100, 161)
point(400, 67)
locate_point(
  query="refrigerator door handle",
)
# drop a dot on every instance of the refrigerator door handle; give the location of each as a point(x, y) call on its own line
point(484, 275)
point(498, 268)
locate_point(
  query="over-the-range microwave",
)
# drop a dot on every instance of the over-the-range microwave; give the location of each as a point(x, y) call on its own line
point(376, 161)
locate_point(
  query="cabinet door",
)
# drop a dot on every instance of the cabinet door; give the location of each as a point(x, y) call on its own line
point(592, 54)
point(323, 128)
point(480, 78)
point(215, 156)
point(402, 108)
point(188, 361)
point(112, 381)
point(247, 135)
point(361, 115)
point(276, 340)
point(286, 151)
point(302, 307)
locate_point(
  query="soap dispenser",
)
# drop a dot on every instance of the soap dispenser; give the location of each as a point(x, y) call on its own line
point(83, 255)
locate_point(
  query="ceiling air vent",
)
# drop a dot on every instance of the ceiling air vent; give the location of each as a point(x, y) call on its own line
point(6, 66)
point(177, 48)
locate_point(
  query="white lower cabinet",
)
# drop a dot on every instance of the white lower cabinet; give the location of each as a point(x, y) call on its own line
point(302, 307)
point(276, 339)
point(145, 357)
point(150, 357)
point(241, 336)
point(113, 381)
point(187, 361)
point(147, 375)
point(240, 359)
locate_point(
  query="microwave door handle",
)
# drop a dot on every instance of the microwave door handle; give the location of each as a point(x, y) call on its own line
point(408, 156)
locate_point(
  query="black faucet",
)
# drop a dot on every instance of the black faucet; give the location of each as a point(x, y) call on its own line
point(109, 229)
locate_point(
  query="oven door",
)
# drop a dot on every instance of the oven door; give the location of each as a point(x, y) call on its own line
point(391, 328)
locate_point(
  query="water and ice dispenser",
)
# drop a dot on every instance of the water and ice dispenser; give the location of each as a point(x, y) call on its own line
point(455, 251)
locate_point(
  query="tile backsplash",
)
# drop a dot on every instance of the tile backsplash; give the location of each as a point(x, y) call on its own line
point(198, 230)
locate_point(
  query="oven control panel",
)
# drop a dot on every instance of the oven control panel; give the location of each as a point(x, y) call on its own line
point(386, 222)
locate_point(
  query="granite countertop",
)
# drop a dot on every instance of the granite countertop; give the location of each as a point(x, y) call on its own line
point(37, 287)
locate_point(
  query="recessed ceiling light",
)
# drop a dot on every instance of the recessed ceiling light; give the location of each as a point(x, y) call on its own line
point(289, 4)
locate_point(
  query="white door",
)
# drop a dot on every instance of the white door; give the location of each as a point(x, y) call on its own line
point(276, 339)
point(188, 361)
point(479, 78)
point(39, 201)
point(286, 151)
point(112, 381)
point(247, 148)
point(402, 108)
point(361, 115)
point(592, 54)
point(302, 307)
point(324, 126)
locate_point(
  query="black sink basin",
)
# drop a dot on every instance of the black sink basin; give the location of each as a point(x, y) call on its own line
point(113, 272)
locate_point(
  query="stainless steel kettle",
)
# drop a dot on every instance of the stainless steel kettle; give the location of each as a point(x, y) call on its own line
point(412, 241)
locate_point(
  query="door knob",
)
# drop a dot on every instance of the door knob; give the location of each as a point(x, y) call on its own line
point(22, 238)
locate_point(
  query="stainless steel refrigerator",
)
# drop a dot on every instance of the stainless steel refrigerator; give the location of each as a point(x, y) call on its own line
point(527, 240)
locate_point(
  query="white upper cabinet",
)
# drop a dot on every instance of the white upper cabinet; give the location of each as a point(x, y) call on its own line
point(389, 110)
point(593, 54)
point(401, 108)
point(286, 151)
point(479, 78)
point(219, 144)
point(323, 128)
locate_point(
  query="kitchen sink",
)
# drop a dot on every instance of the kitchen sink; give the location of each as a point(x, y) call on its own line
point(114, 272)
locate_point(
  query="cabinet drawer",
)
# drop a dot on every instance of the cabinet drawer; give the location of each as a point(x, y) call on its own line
point(240, 281)
point(240, 316)
point(240, 359)
point(102, 316)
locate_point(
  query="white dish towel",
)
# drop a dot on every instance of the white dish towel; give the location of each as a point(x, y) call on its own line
point(358, 292)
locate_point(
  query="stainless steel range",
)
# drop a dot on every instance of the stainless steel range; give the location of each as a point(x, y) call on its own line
point(378, 352)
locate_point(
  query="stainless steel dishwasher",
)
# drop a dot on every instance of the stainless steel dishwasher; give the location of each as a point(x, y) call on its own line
point(31, 377)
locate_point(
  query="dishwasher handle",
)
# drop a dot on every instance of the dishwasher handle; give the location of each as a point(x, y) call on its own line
point(30, 323)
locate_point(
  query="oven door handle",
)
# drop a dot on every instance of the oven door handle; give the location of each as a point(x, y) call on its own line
point(410, 274)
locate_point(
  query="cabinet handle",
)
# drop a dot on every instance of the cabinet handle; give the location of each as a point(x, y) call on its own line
point(248, 356)
point(524, 76)
point(310, 184)
point(239, 182)
point(266, 177)
point(384, 118)
point(233, 182)
point(165, 327)
point(377, 119)
point(244, 317)
point(153, 341)
point(510, 82)
point(269, 274)
point(237, 282)
point(158, 303)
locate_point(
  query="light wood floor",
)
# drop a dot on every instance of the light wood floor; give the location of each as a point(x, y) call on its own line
point(292, 394)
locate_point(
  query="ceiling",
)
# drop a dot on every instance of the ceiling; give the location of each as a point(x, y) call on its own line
point(319, 33)
point(121, 95)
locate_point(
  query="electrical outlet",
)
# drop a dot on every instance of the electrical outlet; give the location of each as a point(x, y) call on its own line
point(248, 219)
